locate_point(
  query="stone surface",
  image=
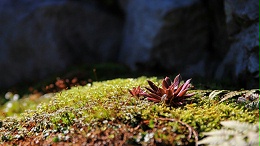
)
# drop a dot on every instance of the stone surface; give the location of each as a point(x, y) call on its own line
point(181, 36)
point(208, 38)
point(38, 38)
point(242, 61)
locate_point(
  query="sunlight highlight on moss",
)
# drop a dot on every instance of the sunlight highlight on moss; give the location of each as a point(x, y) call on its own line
point(109, 105)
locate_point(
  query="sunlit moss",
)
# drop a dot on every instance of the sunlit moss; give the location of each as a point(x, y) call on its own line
point(110, 101)
point(16, 107)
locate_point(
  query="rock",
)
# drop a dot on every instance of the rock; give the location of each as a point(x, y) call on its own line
point(174, 35)
point(208, 38)
point(39, 38)
point(241, 63)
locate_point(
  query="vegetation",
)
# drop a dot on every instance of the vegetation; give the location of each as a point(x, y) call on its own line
point(171, 93)
point(250, 98)
point(106, 113)
point(233, 133)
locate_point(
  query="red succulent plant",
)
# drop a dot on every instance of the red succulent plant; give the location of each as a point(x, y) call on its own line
point(171, 93)
point(136, 92)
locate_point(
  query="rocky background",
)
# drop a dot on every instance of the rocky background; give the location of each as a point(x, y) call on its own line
point(214, 39)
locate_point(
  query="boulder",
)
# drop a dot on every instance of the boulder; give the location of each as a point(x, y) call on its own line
point(208, 38)
point(241, 63)
point(39, 38)
point(174, 35)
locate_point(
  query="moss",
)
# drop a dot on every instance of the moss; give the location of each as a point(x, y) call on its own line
point(16, 107)
point(105, 107)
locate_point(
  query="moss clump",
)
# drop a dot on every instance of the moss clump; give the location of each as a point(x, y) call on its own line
point(105, 113)
point(14, 107)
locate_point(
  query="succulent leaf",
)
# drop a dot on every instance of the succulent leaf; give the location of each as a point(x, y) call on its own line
point(178, 90)
point(166, 83)
point(182, 93)
point(152, 95)
point(186, 85)
point(176, 81)
point(189, 95)
point(151, 90)
point(154, 100)
point(153, 86)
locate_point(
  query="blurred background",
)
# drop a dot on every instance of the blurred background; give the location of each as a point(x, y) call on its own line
point(208, 39)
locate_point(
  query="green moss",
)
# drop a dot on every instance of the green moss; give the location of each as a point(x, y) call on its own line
point(96, 105)
point(16, 107)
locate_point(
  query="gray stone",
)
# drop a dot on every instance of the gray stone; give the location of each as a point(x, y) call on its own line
point(174, 35)
point(143, 21)
point(209, 38)
point(241, 63)
point(39, 38)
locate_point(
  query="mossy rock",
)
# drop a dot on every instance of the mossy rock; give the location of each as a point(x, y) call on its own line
point(105, 113)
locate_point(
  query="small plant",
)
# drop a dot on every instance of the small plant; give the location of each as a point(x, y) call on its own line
point(171, 93)
point(136, 91)
point(233, 133)
point(250, 98)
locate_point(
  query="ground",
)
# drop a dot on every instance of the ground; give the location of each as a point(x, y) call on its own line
point(105, 113)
